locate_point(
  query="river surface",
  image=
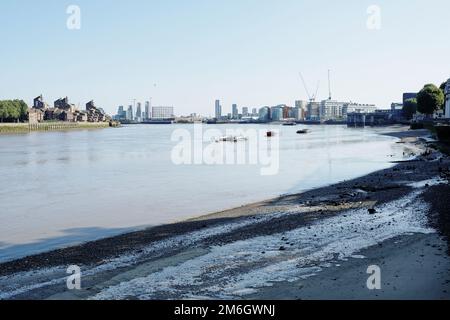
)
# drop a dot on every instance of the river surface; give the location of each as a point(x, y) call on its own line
point(63, 188)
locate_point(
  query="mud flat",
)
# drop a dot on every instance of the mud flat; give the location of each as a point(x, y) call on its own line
point(313, 245)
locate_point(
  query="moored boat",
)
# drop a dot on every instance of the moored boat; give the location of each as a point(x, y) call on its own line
point(231, 139)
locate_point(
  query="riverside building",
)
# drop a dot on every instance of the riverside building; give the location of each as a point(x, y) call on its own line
point(235, 112)
point(300, 110)
point(138, 116)
point(264, 114)
point(313, 112)
point(163, 113)
point(130, 113)
point(218, 110)
point(357, 108)
point(147, 110)
point(121, 114)
point(64, 111)
point(277, 113)
point(331, 110)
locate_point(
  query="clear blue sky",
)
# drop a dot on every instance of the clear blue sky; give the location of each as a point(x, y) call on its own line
point(187, 53)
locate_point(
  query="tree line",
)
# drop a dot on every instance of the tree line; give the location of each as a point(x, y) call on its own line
point(429, 100)
point(13, 111)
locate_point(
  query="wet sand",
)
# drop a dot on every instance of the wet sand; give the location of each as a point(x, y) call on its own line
point(299, 246)
point(413, 267)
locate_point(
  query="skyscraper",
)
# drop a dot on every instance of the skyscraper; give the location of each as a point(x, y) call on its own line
point(139, 112)
point(245, 112)
point(235, 112)
point(130, 113)
point(147, 110)
point(121, 113)
point(218, 110)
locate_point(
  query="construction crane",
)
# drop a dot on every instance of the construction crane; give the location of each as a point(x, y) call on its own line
point(312, 98)
point(329, 85)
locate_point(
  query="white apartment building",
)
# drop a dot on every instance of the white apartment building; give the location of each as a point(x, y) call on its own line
point(163, 113)
point(331, 110)
point(358, 108)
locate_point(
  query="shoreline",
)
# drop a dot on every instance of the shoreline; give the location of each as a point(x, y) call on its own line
point(73, 235)
point(23, 128)
point(245, 210)
point(135, 252)
point(413, 267)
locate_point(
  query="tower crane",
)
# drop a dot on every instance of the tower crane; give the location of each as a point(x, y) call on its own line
point(312, 98)
point(329, 85)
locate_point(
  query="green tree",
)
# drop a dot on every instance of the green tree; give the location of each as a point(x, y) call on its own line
point(430, 99)
point(3, 111)
point(23, 110)
point(13, 110)
point(410, 108)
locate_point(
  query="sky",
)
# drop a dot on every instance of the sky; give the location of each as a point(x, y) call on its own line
point(188, 53)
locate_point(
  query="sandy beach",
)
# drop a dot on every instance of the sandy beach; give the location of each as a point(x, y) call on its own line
point(313, 245)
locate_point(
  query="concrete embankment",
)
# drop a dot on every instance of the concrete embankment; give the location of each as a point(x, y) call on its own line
point(6, 128)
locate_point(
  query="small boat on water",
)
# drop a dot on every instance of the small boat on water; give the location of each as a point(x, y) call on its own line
point(290, 124)
point(231, 139)
point(303, 131)
point(270, 134)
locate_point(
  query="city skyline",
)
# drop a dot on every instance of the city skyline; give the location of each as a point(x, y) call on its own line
point(248, 53)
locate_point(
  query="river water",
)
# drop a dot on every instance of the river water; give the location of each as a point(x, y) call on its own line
point(63, 188)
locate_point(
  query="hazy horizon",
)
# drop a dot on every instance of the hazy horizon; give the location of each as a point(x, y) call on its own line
point(190, 53)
